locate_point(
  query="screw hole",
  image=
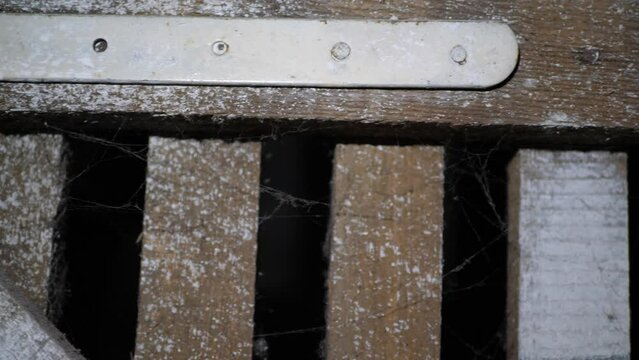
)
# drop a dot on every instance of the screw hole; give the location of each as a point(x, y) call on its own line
point(100, 45)
point(220, 47)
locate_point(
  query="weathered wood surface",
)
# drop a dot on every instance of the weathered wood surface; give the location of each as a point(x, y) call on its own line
point(32, 173)
point(384, 281)
point(24, 332)
point(568, 295)
point(577, 69)
point(198, 258)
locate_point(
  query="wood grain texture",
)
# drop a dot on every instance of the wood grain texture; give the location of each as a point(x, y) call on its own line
point(576, 69)
point(384, 282)
point(568, 283)
point(198, 259)
point(32, 174)
point(24, 332)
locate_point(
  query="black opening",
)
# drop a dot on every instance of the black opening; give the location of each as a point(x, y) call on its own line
point(633, 215)
point(291, 267)
point(475, 246)
point(102, 219)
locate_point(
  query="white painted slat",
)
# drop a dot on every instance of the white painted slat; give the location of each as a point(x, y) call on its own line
point(568, 281)
point(24, 332)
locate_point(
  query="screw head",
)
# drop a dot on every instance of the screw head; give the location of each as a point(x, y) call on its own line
point(219, 47)
point(100, 45)
point(458, 54)
point(340, 51)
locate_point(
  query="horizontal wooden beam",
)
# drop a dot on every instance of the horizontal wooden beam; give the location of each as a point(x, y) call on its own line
point(576, 70)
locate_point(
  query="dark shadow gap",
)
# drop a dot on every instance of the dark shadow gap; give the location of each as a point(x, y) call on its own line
point(475, 246)
point(633, 215)
point(255, 129)
point(97, 290)
point(291, 267)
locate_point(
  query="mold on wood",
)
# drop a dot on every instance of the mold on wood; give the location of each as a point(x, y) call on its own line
point(568, 280)
point(32, 174)
point(199, 246)
point(24, 332)
point(384, 281)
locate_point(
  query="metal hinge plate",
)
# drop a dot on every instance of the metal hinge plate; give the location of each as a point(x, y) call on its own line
point(255, 52)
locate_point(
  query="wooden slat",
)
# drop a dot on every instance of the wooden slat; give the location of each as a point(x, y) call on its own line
point(32, 177)
point(198, 259)
point(568, 256)
point(24, 332)
point(576, 70)
point(384, 282)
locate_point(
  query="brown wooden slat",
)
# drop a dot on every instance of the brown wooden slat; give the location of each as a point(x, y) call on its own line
point(24, 332)
point(568, 280)
point(198, 263)
point(32, 174)
point(384, 282)
point(576, 70)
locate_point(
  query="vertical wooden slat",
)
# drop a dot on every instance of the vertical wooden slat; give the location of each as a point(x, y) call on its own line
point(384, 282)
point(198, 259)
point(32, 177)
point(568, 256)
point(24, 332)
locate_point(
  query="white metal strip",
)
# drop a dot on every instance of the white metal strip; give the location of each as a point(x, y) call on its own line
point(273, 52)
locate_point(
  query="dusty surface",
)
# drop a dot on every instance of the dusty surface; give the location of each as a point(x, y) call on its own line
point(198, 259)
point(32, 174)
point(384, 283)
point(576, 70)
point(568, 256)
point(24, 332)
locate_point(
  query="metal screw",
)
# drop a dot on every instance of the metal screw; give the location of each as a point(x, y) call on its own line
point(458, 54)
point(220, 47)
point(340, 51)
point(100, 45)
